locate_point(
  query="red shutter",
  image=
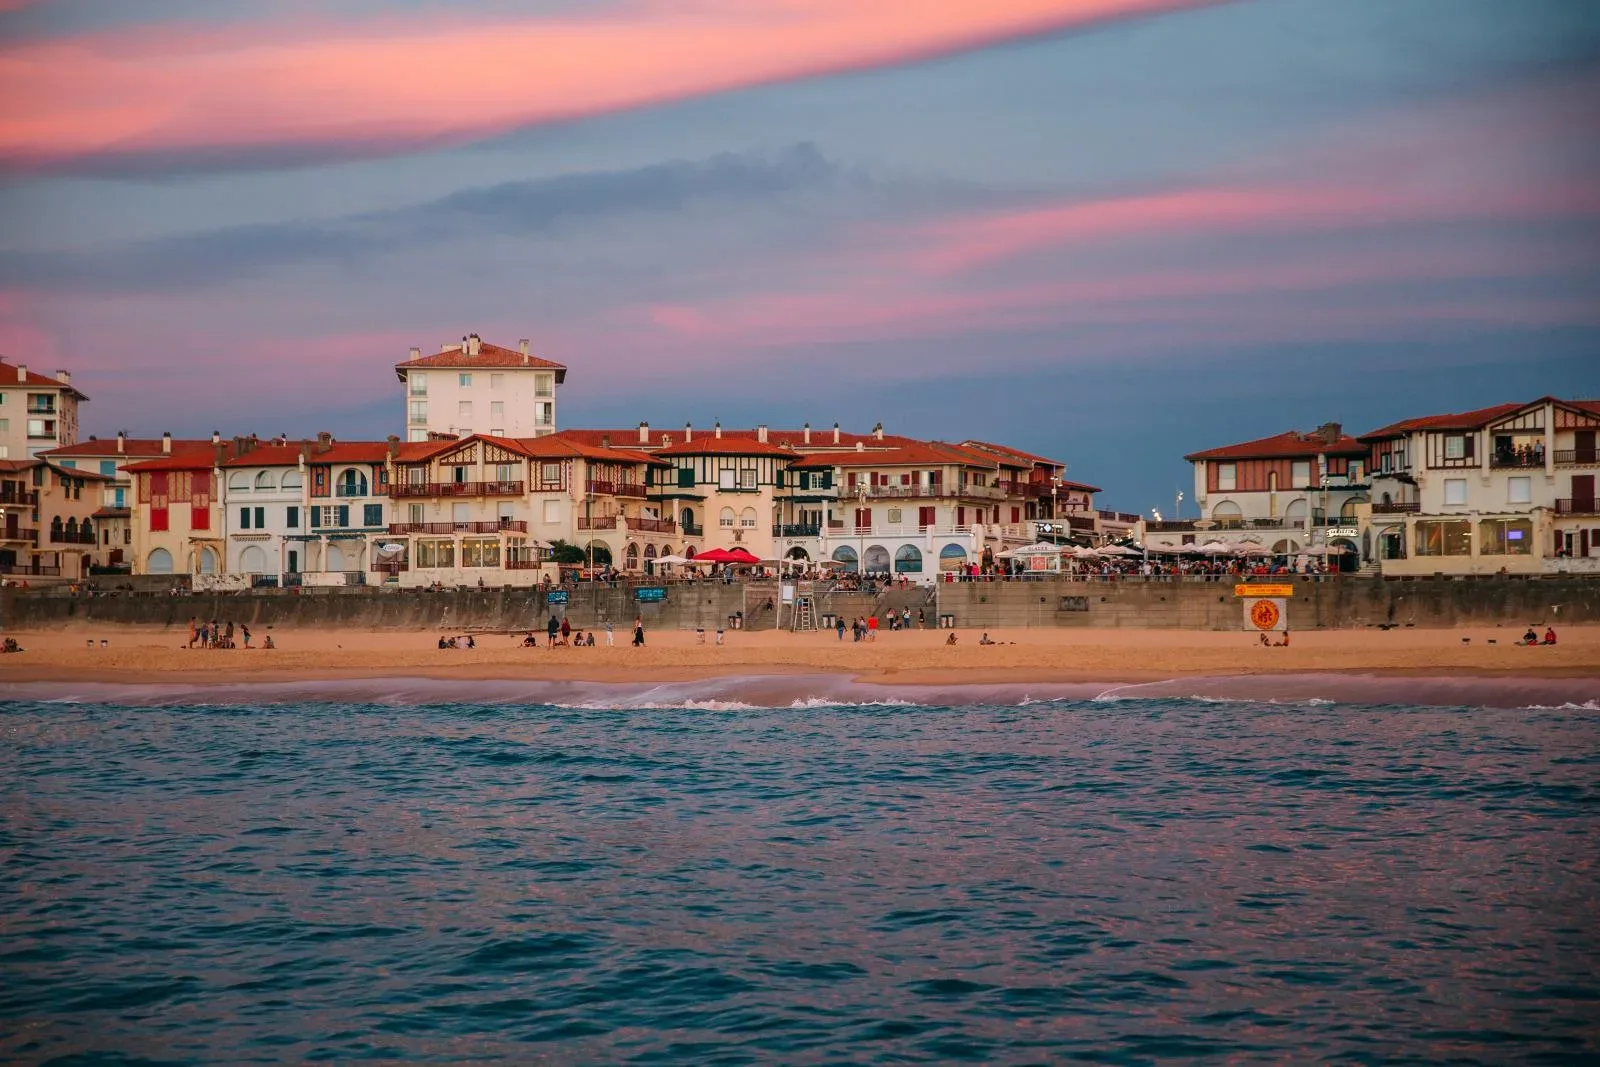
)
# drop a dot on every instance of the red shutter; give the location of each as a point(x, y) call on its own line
point(925, 517)
point(160, 495)
point(1016, 515)
point(1583, 542)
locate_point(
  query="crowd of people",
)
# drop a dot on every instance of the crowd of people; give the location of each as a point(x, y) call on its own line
point(221, 635)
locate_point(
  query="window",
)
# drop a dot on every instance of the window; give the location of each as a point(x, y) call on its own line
point(261, 518)
point(544, 385)
point(464, 409)
point(121, 498)
point(292, 519)
point(419, 383)
point(352, 482)
point(239, 480)
point(552, 512)
point(5, 424)
point(497, 409)
point(419, 411)
point(747, 478)
point(550, 473)
point(1519, 490)
point(1455, 447)
point(726, 479)
point(464, 381)
point(505, 472)
point(748, 519)
point(480, 552)
point(545, 414)
point(292, 480)
point(372, 515)
point(41, 428)
point(108, 467)
point(497, 381)
point(1300, 473)
point(436, 553)
point(1505, 537)
point(1455, 491)
point(1450, 537)
point(726, 519)
point(265, 480)
point(685, 477)
point(415, 512)
point(244, 518)
point(1227, 477)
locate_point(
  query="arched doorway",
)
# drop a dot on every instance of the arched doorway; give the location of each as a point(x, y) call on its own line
point(208, 560)
point(352, 482)
point(335, 559)
point(649, 559)
point(1286, 547)
point(798, 553)
point(1348, 560)
point(160, 562)
point(876, 560)
point(686, 519)
point(846, 555)
point(599, 553)
point(908, 560)
point(252, 560)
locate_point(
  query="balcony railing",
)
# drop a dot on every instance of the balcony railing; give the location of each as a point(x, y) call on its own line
point(797, 529)
point(1118, 516)
point(12, 498)
point(45, 409)
point(1080, 522)
point(350, 490)
point(691, 530)
point(1188, 525)
point(1578, 506)
point(1397, 507)
point(36, 570)
point(522, 564)
point(597, 522)
point(601, 487)
point(20, 533)
point(1577, 457)
point(652, 525)
point(478, 526)
point(429, 489)
point(380, 567)
point(1516, 460)
point(75, 537)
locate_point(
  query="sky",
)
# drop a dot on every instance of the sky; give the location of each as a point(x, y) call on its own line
point(1108, 231)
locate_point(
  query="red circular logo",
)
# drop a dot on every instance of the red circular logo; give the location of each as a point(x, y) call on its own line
point(1264, 615)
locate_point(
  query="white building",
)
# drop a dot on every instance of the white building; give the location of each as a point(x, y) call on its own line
point(471, 387)
point(1508, 488)
point(37, 413)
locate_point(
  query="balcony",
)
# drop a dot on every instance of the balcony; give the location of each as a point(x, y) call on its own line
point(76, 537)
point(798, 529)
point(19, 498)
point(652, 525)
point(1577, 457)
point(36, 570)
point(1080, 522)
point(1522, 459)
point(598, 487)
point(1397, 507)
point(20, 533)
point(35, 408)
point(477, 527)
point(441, 489)
point(691, 530)
point(1118, 516)
point(1578, 506)
point(350, 490)
point(380, 567)
point(597, 522)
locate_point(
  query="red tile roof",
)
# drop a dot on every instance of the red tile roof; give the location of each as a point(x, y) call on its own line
point(659, 436)
point(17, 466)
point(193, 458)
point(351, 452)
point(267, 454)
point(1009, 453)
point(132, 448)
point(1463, 420)
point(113, 513)
point(561, 446)
point(1289, 444)
point(80, 472)
point(914, 454)
point(708, 444)
point(9, 378)
point(489, 357)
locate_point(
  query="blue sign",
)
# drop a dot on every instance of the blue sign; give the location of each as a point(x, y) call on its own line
point(649, 594)
point(556, 596)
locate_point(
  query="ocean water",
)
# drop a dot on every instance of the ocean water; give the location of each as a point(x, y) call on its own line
point(1135, 880)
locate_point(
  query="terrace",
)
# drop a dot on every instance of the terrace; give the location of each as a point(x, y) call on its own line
point(441, 489)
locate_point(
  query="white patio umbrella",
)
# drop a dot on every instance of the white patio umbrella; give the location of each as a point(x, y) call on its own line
point(1116, 550)
point(1215, 548)
point(671, 561)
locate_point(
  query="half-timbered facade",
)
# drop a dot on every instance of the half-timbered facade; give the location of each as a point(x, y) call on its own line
point(177, 514)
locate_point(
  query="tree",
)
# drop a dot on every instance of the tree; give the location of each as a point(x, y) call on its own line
point(562, 552)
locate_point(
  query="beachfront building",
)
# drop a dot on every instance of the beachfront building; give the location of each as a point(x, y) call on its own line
point(111, 456)
point(37, 413)
point(1286, 494)
point(347, 510)
point(721, 490)
point(911, 510)
point(1508, 488)
point(599, 498)
point(472, 387)
point(47, 526)
point(177, 510)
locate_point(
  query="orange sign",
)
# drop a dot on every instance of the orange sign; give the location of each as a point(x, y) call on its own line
point(1264, 615)
point(1263, 589)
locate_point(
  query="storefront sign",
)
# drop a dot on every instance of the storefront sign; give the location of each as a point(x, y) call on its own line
point(1344, 531)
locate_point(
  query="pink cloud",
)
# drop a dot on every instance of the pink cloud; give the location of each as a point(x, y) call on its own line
point(422, 81)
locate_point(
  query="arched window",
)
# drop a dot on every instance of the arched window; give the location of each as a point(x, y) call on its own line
point(727, 517)
point(208, 561)
point(649, 553)
point(1347, 510)
point(1227, 513)
point(252, 560)
point(847, 555)
point(293, 479)
point(687, 518)
point(160, 562)
point(747, 519)
point(55, 528)
point(632, 556)
point(352, 482)
point(239, 480)
point(266, 480)
point(876, 560)
point(1296, 511)
point(951, 557)
point(908, 560)
point(86, 532)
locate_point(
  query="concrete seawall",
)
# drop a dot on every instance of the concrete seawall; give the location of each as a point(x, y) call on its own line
point(1197, 605)
point(1341, 603)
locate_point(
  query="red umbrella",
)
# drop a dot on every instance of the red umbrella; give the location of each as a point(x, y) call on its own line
point(723, 555)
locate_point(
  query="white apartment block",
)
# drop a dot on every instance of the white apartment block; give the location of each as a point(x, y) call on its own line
point(472, 387)
point(37, 413)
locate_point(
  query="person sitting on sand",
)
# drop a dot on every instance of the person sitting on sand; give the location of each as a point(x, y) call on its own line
point(1549, 635)
point(1265, 641)
point(588, 639)
point(1530, 638)
point(470, 642)
point(1285, 642)
point(950, 640)
point(984, 640)
point(11, 646)
point(530, 641)
point(268, 643)
point(442, 642)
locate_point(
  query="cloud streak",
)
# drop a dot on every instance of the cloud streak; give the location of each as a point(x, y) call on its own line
point(424, 82)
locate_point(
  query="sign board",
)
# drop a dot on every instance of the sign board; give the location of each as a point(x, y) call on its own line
point(1266, 614)
point(787, 594)
point(1283, 589)
point(556, 596)
point(1344, 531)
point(649, 594)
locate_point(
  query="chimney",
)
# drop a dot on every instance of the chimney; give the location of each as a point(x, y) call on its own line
point(522, 345)
point(474, 342)
point(416, 353)
point(216, 436)
point(1331, 432)
point(761, 433)
point(688, 432)
point(666, 439)
point(64, 377)
point(22, 372)
point(644, 433)
point(219, 453)
point(122, 442)
point(718, 428)
point(324, 441)
point(166, 442)
point(877, 431)
point(605, 440)
point(836, 433)
point(394, 447)
point(807, 433)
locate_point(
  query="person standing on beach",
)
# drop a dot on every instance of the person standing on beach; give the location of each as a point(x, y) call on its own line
point(638, 632)
point(194, 630)
point(839, 625)
point(566, 630)
point(610, 637)
point(552, 628)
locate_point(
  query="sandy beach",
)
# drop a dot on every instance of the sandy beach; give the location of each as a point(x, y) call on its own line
point(146, 656)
